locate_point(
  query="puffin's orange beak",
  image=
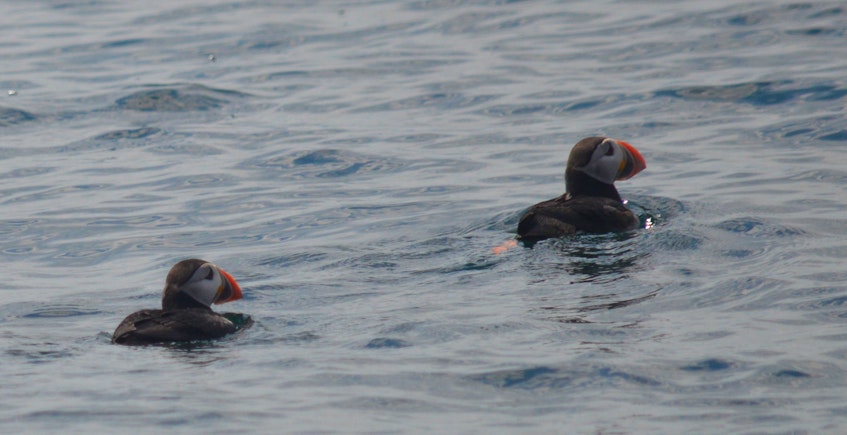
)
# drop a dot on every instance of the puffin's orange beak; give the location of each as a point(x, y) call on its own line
point(632, 162)
point(229, 291)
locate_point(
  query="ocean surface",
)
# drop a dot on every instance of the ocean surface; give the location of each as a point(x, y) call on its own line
point(354, 165)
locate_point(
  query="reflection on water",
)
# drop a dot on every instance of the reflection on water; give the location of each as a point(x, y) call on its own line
point(598, 258)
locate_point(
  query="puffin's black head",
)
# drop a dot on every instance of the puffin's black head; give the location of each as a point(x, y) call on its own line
point(198, 283)
point(601, 159)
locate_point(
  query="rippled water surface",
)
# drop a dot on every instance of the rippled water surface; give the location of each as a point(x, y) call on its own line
point(353, 164)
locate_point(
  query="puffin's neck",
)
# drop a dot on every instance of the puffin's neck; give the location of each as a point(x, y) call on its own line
point(177, 300)
point(578, 183)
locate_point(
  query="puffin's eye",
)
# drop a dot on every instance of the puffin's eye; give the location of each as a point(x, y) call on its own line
point(610, 151)
point(211, 274)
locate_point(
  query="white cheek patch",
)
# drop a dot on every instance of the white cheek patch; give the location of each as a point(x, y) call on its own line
point(207, 290)
point(204, 290)
point(602, 167)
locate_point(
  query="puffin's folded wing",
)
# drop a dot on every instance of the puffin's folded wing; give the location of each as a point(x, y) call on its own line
point(157, 326)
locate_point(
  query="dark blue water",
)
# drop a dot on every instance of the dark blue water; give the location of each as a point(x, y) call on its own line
point(353, 164)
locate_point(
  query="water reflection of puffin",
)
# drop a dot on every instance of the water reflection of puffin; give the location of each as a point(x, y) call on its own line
point(591, 203)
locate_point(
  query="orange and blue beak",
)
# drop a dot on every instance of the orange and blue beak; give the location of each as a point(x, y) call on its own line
point(229, 290)
point(632, 162)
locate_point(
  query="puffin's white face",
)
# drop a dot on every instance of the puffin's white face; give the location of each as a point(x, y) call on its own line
point(613, 160)
point(209, 284)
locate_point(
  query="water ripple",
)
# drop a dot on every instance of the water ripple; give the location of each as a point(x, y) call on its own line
point(177, 99)
point(353, 165)
point(758, 93)
point(10, 116)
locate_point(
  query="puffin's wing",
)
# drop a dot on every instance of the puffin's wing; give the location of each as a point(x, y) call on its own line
point(126, 329)
point(556, 217)
point(547, 219)
point(155, 326)
point(603, 215)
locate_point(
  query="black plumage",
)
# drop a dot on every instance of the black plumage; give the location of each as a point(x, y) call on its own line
point(157, 326)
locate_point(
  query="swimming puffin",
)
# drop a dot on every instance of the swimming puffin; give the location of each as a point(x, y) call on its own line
point(591, 203)
point(190, 288)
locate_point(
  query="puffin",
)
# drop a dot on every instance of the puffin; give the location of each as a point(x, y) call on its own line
point(591, 203)
point(191, 287)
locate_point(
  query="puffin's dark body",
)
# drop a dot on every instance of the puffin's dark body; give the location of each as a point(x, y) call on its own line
point(562, 216)
point(191, 286)
point(589, 205)
point(155, 326)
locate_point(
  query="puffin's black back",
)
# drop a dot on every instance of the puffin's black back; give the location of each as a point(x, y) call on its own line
point(562, 216)
point(158, 326)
